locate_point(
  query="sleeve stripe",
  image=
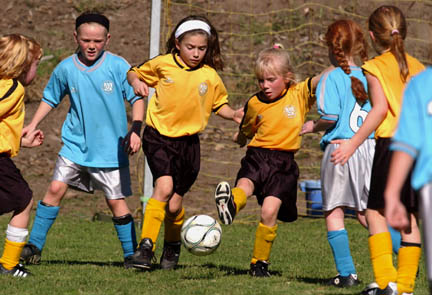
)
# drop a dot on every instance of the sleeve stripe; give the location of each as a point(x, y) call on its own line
point(401, 146)
point(322, 88)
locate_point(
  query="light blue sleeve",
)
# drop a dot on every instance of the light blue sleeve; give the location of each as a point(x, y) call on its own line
point(56, 88)
point(327, 95)
point(127, 89)
point(410, 132)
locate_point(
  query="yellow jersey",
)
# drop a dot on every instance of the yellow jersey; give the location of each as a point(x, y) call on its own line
point(12, 113)
point(386, 69)
point(184, 97)
point(276, 124)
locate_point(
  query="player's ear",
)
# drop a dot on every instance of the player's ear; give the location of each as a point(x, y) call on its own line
point(177, 44)
point(108, 37)
point(75, 34)
point(372, 36)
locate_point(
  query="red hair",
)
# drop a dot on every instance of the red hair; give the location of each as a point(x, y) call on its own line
point(345, 39)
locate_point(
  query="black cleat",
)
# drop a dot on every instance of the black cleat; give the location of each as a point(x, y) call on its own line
point(259, 269)
point(373, 289)
point(128, 262)
point(170, 255)
point(225, 203)
point(18, 271)
point(143, 256)
point(31, 254)
point(344, 281)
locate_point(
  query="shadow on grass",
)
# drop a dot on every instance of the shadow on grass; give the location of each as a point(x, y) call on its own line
point(318, 281)
point(229, 270)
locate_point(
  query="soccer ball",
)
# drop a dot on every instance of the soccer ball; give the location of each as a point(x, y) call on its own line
point(201, 235)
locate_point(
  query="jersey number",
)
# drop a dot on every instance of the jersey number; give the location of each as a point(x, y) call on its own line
point(357, 117)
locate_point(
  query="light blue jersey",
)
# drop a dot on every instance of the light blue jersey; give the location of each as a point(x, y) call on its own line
point(414, 132)
point(96, 122)
point(336, 102)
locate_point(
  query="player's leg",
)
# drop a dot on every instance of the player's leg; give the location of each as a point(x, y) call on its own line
point(264, 237)
point(174, 219)
point(408, 258)
point(154, 215)
point(425, 208)
point(337, 237)
point(230, 201)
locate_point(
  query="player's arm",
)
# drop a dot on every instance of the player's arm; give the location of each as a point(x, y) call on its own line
point(140, 87)
point(372, 121)
point(228, 113)
point(132, 141)
point(32, 139)
point(312, 126)
point(395, 211)
point(40, 114)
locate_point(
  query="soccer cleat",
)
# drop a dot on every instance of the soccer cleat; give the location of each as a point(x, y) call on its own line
point(170, 255)
point(373, 289)
point(225, 203)
point(344, 281)
point(143, 256)
point(18, 271)
point(30, 254)
point(128, 262)
point(259, 269)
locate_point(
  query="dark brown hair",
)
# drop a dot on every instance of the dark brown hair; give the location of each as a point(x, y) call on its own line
point(213, 56)
point(345, 38)
point(388, 25)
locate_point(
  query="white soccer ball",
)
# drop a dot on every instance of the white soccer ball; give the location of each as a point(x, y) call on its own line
point(201, 235)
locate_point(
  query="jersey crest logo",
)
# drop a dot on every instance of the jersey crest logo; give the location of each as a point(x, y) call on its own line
point(429, 108)
point(169, 80)
point(108, 86)
point(202, 89)
point(290, 111)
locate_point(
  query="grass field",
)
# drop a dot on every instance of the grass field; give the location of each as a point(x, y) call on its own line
point(84, 257)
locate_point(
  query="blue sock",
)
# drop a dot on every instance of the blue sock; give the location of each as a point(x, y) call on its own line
point(45, 217)
point(125, 228)
point(396, 239)
point(339, 244)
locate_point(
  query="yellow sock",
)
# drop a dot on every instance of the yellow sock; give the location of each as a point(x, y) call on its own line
point(264, 238)
point(239, 198)
point(11, 254)
point(408, 261)
point(380, 247)
point(154, 215)
point(173, 226)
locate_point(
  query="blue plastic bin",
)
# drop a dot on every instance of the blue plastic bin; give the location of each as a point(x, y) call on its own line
point(312, 188)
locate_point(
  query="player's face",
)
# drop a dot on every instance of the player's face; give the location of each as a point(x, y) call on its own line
point(192, 48)
point(91, 39)
point(31, 74)
point(272, 85)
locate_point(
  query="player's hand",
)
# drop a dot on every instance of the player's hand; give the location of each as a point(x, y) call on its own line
point(307, 127)
point(239, 138)
point(132, 141)
point(342, 154)
point(27, 129)
point(140, 88)
point(396, 215)
point(32, 139)
point(238, 115)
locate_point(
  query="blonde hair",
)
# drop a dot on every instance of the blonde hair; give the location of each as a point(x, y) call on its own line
point(17, 52)
point(275, 61)
point(388, 25)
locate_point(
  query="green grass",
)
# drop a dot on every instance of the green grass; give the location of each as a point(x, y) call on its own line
point(84, 257)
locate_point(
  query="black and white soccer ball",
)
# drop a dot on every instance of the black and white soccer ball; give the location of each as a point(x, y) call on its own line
point(201, 235)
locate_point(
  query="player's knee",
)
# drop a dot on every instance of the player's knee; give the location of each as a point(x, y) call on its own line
point(56, 190)
point(269, 214)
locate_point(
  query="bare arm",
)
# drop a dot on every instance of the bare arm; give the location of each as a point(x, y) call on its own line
point(316, 126)
point(372, 121)
point(132, 141)
point(228, 113)
point(395, 211)
point(140, 87)
point(40, 114)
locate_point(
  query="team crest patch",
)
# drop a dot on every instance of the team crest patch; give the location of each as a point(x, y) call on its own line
point(429, 108)
point(290, 111)
point(202, 88)
point(108, 86)
point(169, 80)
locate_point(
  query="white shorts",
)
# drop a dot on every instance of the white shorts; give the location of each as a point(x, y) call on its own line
point(347, 185)
point(114, 182)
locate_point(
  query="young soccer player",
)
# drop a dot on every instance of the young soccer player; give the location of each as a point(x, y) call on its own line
point(343, 104)
point(95, 138)
point(410, 144)
point(188, 90)
point(273, 119)
point(19, 58)
point(387, 75)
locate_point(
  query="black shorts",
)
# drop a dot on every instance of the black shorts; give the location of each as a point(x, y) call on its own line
point(178, 157)
point(274, 173)
point(15, 193)
point(380, 170)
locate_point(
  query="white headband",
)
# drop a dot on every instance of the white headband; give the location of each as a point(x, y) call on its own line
point(192, 25)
